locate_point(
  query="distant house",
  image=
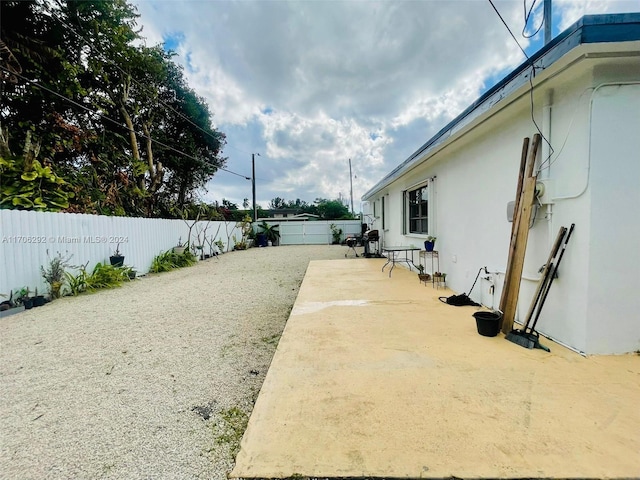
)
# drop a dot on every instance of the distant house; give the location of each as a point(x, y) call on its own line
point(585, 98)
point(287, 214)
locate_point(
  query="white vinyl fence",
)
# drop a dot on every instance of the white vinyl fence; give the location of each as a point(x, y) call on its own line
point(315, 232)
point(28, 239)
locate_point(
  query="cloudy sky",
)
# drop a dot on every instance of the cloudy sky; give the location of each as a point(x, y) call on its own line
point(311, 84)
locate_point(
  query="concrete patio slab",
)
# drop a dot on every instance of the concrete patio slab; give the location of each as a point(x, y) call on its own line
point(375, 377)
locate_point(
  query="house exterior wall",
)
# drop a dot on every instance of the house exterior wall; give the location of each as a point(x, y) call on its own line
point(593, 182)
point(614, 262)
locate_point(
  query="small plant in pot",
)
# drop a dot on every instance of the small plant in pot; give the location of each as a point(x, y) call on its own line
point(440, 277)
point(423, 277)
point(22, 298)
point(54, 274)
point(429, 243)
point(271, 232)
point(198, 251)
point(239, 244)
point(26, 300)
point(7, 304)
point(38, 300)
point(129, 272)
point(180, 247)
point(117, 259)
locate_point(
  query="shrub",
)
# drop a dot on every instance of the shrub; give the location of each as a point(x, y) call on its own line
point(102, 276)
point(169, 260)
point(54, 274)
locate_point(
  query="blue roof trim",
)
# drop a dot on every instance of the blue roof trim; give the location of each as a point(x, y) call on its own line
point(623, 27)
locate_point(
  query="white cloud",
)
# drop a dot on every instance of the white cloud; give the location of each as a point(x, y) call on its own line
point(312, 84)
point(572, 10)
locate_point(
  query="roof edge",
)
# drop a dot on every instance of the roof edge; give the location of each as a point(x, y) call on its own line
point(605, 28)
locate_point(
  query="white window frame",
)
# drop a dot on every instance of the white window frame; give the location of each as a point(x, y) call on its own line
point(429, 184)
point(383, 207)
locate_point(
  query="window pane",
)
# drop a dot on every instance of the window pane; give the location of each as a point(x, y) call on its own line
point(418, 210)
point(414, 210)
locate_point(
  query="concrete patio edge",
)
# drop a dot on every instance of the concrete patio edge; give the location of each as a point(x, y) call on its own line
point(374, 377)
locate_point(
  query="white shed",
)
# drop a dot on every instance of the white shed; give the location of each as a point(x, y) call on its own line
point(585, 99)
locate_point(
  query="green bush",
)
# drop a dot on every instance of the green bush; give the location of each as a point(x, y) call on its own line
point(102, 276)
point(169, 260)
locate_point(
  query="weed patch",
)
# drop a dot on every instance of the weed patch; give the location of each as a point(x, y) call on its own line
point(229, 430)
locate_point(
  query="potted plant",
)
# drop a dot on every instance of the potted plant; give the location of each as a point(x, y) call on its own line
point(271, 233)
point(18, 300)
point(429, 243)
point(54, 273)
point(219, 245)
point(439, 277)
point(22, 298)
point(198, 251)
point(336, 233)
point(423, 277)
point(8, 304)
point(180, 247)
point(38, 300)
point(239, 244)
point(130, 273)
point(26, 300)
point(117, 260)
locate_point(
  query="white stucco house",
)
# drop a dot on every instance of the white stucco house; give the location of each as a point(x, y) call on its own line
point(585, 98)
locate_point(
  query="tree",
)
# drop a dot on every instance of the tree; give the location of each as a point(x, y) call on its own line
point(131, 138)
point(277, 203)
point(332, 209)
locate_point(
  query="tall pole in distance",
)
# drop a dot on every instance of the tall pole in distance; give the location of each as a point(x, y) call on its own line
point(253, 185)
point(546, 7)
point(351, 183)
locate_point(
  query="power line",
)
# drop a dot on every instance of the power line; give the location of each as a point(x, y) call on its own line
point(509, 30)
point(531, 76)
point(124, 127)
point(527, 15)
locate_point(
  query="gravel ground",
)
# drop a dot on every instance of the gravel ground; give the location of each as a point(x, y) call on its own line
point(152, 380)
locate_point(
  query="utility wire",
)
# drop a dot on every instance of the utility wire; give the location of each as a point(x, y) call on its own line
point(509, 30)
point(527, 15)
point(124, 127)
point(531, 76)
point(105, 59)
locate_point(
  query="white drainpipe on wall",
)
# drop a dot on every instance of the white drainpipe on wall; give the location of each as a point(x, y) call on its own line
point(546, 157)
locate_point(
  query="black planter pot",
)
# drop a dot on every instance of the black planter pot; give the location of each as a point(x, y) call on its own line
point(39, 301)
point(116, 260)
point(488, 323)
point(428, 246)
point(261, 240)
point(28, 303)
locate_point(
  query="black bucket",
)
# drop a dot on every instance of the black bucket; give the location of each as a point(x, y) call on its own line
point(488, 323)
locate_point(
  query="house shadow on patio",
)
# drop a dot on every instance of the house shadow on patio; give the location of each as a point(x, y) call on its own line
point(375, 377)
